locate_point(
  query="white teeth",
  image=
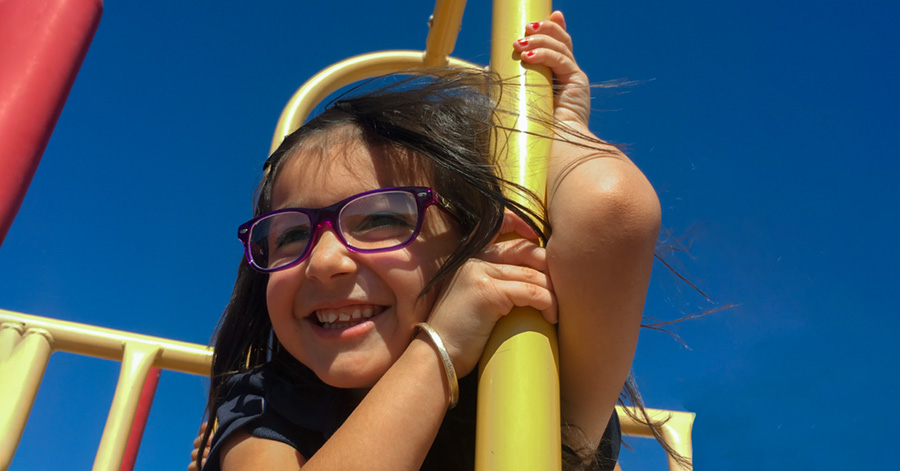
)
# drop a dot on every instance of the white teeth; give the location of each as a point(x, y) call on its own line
point(328, 317)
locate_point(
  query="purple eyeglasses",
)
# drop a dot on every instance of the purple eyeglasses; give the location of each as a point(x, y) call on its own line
point(374, 221)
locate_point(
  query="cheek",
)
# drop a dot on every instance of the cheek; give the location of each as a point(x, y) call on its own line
point(441, 236)
point(279, 293)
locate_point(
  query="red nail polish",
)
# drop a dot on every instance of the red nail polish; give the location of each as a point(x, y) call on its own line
point(522, 42)
point(529, 53)
point(535, 26)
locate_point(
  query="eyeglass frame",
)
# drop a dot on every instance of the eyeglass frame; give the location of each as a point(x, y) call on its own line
point(330, 215)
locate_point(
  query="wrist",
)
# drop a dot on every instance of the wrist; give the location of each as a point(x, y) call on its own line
point(431, 337)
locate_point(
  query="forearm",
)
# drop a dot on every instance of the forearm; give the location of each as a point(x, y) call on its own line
point(391, 429)
point(394, 426)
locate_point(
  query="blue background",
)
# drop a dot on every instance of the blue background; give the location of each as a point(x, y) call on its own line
point(766, 127)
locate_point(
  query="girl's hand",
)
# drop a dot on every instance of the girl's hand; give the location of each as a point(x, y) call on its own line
point(506, 274)
point(196, 451)
point(547, 43)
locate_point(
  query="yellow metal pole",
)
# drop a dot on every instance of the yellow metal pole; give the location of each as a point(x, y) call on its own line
point(21, 375)
point(518, 390)
point(136, 363)
point(445, 23)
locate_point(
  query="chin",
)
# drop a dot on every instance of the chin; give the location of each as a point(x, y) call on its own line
point(352, 379)
point(349, 382)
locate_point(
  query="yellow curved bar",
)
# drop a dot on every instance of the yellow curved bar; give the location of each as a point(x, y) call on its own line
point(518, 425)
point(344, 73)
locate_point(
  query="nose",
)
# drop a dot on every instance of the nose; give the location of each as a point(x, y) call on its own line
point(328, 257)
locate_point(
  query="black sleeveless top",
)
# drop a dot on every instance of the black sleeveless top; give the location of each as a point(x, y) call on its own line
point(291, 405)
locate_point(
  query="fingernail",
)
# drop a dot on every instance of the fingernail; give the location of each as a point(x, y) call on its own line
point(529, 53)
point(536, 25)
point(522, 42)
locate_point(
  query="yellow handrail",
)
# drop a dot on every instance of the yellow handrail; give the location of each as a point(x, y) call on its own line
point(26, 343)
point(676, 431)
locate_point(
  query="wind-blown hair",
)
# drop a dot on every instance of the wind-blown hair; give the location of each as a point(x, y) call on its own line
point(443, 121)
point(440, 121)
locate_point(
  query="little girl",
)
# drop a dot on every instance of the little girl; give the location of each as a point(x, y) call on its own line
point(383, 213)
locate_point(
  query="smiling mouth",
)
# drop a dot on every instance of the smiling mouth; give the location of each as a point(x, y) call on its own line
point(341, 318)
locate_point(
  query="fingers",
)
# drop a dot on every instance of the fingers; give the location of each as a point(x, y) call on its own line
point(516, 252)
point(558, 18)
point(548, 43)
point(528, 294)
point(484, 289)
point(199, 438)
point(513, 226)
point(517, 271)
point(197, 441)
point(193, 465)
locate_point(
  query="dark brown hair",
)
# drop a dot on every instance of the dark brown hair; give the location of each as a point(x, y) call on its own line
point(443, 120)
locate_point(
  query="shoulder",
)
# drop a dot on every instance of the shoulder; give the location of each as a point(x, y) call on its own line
point(612, 187)
point(244, 451)
point(247, 419)
point(273, 406)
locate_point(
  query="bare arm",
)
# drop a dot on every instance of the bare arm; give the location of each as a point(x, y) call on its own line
point(391, 429)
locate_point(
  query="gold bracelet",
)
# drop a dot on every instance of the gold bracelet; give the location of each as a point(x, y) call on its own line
point(445, 359)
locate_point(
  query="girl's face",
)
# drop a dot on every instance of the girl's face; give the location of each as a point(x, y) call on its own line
point(333, 281)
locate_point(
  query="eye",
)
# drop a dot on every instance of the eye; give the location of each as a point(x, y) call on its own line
point(380, 226)
point(293, 235)
point(385, 220)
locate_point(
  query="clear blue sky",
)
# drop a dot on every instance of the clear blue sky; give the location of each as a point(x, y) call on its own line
point(766, 127)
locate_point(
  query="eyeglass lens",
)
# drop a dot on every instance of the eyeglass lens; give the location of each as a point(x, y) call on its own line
point(374, 222)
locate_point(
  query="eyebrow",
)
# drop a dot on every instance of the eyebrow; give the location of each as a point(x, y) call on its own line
point(291, 205)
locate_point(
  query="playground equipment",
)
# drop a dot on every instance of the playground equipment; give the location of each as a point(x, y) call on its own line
point(518, 432)
point(26, 343)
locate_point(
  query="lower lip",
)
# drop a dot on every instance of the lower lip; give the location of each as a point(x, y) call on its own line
point(347, 333)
